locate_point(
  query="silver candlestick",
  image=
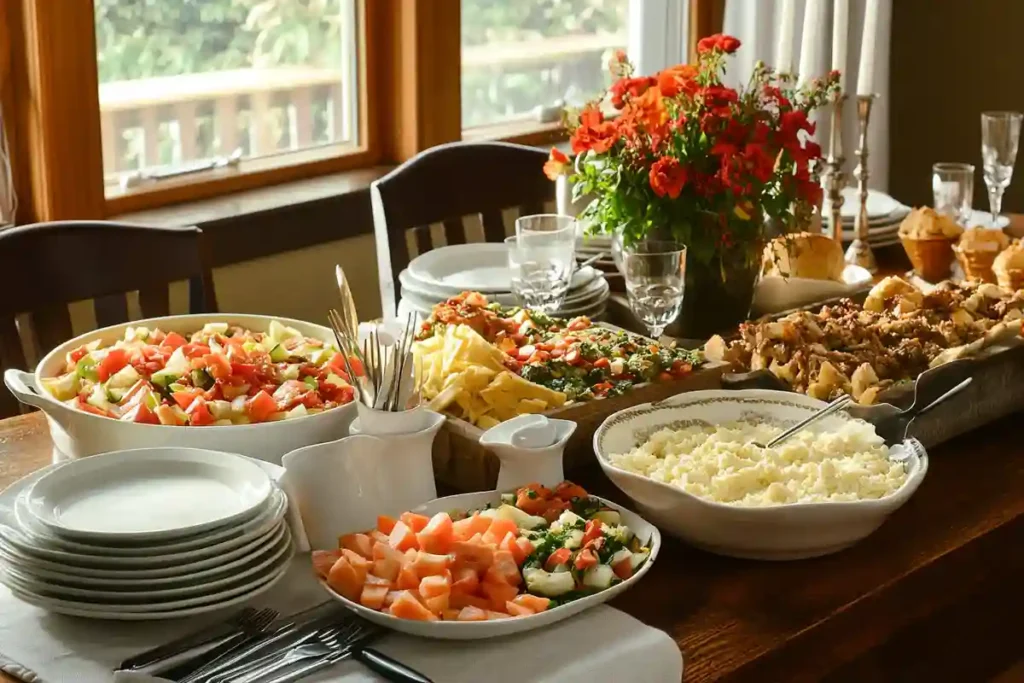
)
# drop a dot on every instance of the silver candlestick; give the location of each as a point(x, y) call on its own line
point(836, 176)
point(859, 253)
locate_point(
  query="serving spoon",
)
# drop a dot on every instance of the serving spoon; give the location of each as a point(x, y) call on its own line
point(824, 412)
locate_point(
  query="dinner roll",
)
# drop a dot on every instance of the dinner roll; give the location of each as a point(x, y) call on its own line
point(806, 255)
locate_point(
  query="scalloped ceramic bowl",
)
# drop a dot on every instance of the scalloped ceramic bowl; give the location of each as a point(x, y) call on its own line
point(782, 532)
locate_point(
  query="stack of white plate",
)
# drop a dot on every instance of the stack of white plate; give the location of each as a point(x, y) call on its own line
point(156, 533)
point(482, 267)
point(884, 216)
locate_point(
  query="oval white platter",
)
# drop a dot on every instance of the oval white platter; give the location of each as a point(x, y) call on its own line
point(176, 572)
point(148, 494)
point(43, 547)
point(280, 555)
point(476, 630)
point(84, 609)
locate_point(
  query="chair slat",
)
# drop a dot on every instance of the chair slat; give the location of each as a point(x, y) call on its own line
point(494, 225)
point(423, 241)
point(454, 231)
point(154, 301)
point(11, 353)
point(111, 310)
point(53, 326)
point(531, 208)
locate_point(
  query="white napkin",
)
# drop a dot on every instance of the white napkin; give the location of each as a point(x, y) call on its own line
point(601, 644)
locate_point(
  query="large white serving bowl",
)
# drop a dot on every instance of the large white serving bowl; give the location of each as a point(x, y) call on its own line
point(783, 532)
point(478, 630)
point(77, 434)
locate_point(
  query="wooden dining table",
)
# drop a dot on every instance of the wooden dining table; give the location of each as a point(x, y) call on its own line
point(936, 594)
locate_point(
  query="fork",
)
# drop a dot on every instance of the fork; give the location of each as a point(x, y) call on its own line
point(213, 633)
point(210, 661)
point(327, 641)
point(378, 662)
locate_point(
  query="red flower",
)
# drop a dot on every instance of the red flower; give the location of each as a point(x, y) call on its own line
point(719, 41)
point(556, 165)
point(678, 79)
point(634, 87)
point(593, 133)
point(667, 177)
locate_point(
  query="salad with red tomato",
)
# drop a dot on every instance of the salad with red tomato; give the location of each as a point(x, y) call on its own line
point(220, 375)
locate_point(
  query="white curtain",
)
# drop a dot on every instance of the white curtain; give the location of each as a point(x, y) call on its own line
point(756, 23)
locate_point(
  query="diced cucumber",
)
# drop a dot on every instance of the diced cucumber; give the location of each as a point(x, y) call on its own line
point(290, 371)
point(319, 356)
point(311, 383)
point(574, 539)
point(115, 394)
point(639, 557)
point(523, 520)
point(609, 517)
point(238, 405)
point(599, 576)
point(223, 423)
point(164, 378)
point(201, 379)
point(506, 498)
point(551, 585)
point(279, 332)
point(219, 409)
point(336, 381)
point(86, 368)
point(568, 518)
point(152, 400)
point(168, 416)
point(136, 334)
point(250, 346)
point(64, 387)
point(177, 363)
point(215, 328)
point(175, 387)
point(124, 378)
point(620, 533)
point(279, 354)
point(297, 411)
point(98, 398)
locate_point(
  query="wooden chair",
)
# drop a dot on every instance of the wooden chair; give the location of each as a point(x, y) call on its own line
point(444, 184)
point(45, 266)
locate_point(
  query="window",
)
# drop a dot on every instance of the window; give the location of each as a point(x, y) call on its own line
point(186, 84)
point(522, 58)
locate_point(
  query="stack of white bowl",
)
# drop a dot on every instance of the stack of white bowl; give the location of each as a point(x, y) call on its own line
point(148, 534)
point(442, 273)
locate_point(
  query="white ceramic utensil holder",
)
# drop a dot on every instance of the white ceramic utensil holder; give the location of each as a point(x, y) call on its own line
point(530, 449)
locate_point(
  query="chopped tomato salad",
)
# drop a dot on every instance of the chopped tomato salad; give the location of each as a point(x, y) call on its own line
point(539, 549)
point(220, 375)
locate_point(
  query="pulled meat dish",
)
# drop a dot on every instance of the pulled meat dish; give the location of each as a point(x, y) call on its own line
point(896, 335)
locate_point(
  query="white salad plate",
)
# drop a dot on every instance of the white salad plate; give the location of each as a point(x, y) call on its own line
point(130, 592)
point(879, 204)
point(258, 527)
point(779, 532)
point(477, 630)
point(592, 288)
point(172, 609)
point(148, 494)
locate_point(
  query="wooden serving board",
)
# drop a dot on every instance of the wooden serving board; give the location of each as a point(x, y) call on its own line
point(463, 464)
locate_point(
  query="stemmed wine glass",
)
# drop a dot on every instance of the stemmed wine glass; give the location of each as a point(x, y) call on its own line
point(655, 275)
point(1000, 133)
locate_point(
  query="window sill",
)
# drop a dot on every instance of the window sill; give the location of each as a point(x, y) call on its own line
point(525, 132)
point(257, 223)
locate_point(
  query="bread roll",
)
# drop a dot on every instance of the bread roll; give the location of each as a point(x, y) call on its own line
point(806, 255)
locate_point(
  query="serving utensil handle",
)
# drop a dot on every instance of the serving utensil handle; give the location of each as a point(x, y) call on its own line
point(824, 412)
point(389, 668)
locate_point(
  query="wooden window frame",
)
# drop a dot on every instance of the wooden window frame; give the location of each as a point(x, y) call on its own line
point(409, 83)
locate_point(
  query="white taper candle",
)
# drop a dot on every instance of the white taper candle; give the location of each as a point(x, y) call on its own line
point(784, 47)
point(866, 73)
point(840, 20)
point(810, 41)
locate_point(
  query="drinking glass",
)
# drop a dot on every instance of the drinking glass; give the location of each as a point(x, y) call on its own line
point(655, 275)
point(541, 265)
point(1000, 133)
point(953, 190)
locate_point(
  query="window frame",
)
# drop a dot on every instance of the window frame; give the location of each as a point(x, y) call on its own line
point(409, 82)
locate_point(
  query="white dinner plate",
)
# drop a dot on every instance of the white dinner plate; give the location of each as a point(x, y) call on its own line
point(13, 555)
point(280, 555)
point(92, 611)
point(40, 547)
point(148, 494)
point(431, 291)
point(479, 266)
point(984, 219)
point(879, 204)
point(476, 630)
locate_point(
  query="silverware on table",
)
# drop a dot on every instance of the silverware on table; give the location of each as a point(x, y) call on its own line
point(374, 660)
point(348, 303)
point(824, 412)
point(895, 429)
point(213, 634)
point(384, 365)
point(200, 667)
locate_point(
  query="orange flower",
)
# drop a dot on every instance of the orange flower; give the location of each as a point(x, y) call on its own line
point(667, 177)
point(556, 165)
point(681, 78)
point(634, 87)
point(593, 133)
point(648, 109)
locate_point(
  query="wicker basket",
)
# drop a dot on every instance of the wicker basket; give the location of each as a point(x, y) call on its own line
point(977, 264)
point(932, 258)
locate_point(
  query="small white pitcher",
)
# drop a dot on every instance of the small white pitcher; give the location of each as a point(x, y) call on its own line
point(530, 449)
point(343, 485)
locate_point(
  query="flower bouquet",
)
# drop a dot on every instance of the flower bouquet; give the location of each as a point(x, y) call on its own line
point(691, 159)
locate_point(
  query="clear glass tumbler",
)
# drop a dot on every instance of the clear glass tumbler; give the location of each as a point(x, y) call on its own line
point(953, 190)
point(1000, 133)
point(655, 275)
point(541, 266)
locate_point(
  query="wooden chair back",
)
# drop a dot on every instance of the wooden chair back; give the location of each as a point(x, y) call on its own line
point(46, 266)
point(444, 184)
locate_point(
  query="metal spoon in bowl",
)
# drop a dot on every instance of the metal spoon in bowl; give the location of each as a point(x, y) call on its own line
point(824, 412)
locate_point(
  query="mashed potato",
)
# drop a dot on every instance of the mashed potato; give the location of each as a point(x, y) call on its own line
point(721, 464)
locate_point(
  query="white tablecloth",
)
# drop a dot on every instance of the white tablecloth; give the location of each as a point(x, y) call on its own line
point(601, 644)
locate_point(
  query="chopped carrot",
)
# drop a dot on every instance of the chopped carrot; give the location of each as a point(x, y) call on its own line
point(344, 579)
point(427, 564)
point(503, 570)
point(373, 596)
point(407, 579)
point(385, 524)
point(414, 521)
point(437, 604)
point(359, 563)
point(471, 613)
point(433, 586)
point(378, 536)
point(437, 536)
point(407, 606)
point(374, 580)
point(386, 568)
point(499, 527)
point(402, 537)
point(509, 544)
point(464, 529)
point(465, 579)
point(533, 602)
point(323, 560)
point(391, 597)
point(496, 614)
point(357, 543)
point(517, 610)
point(623, 568)
point(478, 556)
point(498, 593)
point(460, 600)
point(450, 614)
